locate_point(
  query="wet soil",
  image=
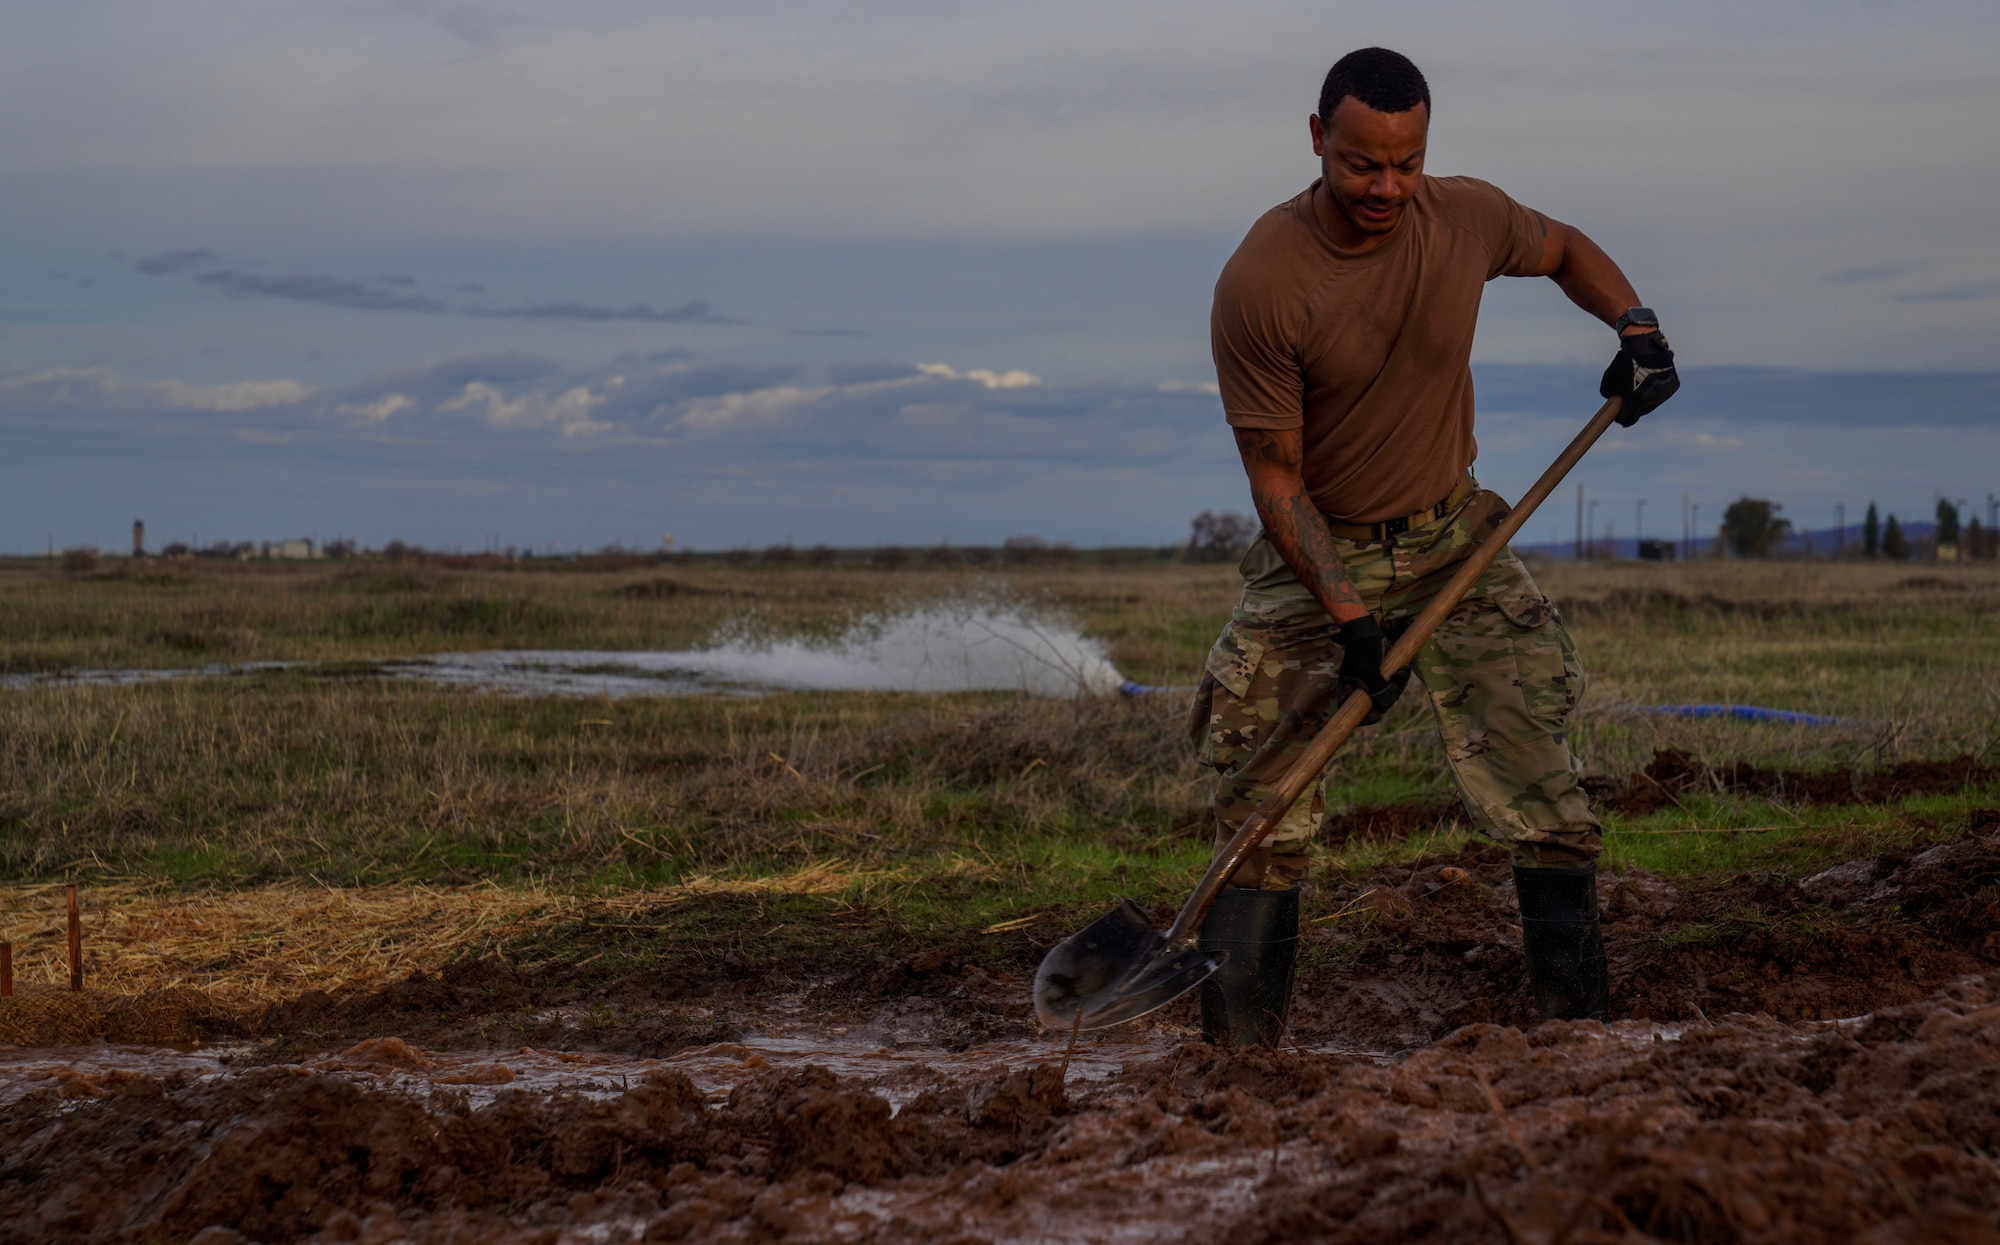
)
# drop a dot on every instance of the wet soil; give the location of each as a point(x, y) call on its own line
point(1787, 1060)
point(1673, 772)
point(1744, 1129)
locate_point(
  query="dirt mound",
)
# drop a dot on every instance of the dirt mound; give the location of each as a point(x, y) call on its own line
point(46, 1016)
point(1745, 1130)
point(1398, 959)
point(1368, 823)
point(1672, 771)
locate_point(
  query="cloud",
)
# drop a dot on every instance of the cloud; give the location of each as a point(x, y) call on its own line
point(696, 312)
point(1870, 273)
point(378, 410)
point(100, 390)
point(207, 268)
point(1014, 379)
point(175, 261)
point(721, 443)
point(428, 384)
point(328, 291)
point(570, 410)
point(242, 395)
point(761, 406)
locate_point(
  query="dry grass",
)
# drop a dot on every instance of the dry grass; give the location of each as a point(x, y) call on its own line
point(261, 835)
point(353, 783)
point(266, 944)
point(1156, 619)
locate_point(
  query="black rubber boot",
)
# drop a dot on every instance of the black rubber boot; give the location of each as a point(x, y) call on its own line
point(1564, 942)
point(1245, 1001)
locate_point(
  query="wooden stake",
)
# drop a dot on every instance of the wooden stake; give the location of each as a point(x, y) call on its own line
point(75, 944)
point(6, 969)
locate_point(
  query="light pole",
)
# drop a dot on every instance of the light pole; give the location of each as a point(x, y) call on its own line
point(1579, 520)
point(1591, 527)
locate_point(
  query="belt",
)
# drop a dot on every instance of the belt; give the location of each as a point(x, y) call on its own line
point(1403, 523)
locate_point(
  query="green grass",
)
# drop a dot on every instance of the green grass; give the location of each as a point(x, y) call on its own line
point(947, 813)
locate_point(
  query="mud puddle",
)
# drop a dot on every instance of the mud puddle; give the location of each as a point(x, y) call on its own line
point(897, 1075)
point(947, 647)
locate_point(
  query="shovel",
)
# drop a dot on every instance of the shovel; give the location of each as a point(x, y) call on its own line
point(1119, 967)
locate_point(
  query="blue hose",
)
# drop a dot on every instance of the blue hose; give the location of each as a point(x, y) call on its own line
point(1748, 713)
point(1129, 688)
point(1745, 713)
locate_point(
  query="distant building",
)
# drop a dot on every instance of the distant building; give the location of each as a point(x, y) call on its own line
point(291, 550)
point(138, 538)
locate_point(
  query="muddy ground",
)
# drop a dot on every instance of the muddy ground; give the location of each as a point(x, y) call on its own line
point(1815, 1060)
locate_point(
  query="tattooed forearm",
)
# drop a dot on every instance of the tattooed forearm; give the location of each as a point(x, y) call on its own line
point(1296, 527)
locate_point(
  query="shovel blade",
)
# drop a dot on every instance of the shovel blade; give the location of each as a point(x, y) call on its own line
point(1117, 968)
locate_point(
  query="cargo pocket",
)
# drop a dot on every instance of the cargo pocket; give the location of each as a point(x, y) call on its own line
point(1545, 660)
point(1222, 722)
point(1201, 709)
point(1233, 661)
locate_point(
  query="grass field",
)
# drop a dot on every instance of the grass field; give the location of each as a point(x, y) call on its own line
point(929, 815)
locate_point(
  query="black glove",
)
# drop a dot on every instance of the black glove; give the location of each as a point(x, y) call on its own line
point(1642, 374)
point(1362, 646)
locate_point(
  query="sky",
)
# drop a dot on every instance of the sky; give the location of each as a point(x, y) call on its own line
point(508, 273)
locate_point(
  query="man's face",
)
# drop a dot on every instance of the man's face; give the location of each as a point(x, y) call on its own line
point(1371, 161)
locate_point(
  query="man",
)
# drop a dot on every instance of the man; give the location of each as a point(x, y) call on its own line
point(1342, 331)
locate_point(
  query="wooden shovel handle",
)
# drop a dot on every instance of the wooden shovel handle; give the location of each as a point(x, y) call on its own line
point(1313, 761)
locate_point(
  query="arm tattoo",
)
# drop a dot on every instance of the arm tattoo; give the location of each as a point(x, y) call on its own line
point(1295, 525)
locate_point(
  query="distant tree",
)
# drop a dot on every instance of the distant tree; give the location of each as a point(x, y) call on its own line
point(396, 551)
point(1220, 536)
point(942, 555)
point(1751, 527)
point(1893, 544)
point(821, 555)
point(180, 550)
point(1947, 523)
point(339, 549)
point(1975, 540)
point(1024, 549)
point(1871, 533)
point(780, 553)
point(80, 561)
point(890, 557)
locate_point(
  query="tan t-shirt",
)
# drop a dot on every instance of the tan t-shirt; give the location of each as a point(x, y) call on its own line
point(1368, 351)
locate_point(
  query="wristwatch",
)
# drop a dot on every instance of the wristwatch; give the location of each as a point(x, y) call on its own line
point(1636, 315)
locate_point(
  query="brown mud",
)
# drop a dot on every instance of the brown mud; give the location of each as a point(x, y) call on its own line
point(1673, 772)
point(1744, 1129)
point(1787, 1060)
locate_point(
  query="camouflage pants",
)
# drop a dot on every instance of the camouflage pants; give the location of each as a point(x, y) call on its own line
point(1501, 674)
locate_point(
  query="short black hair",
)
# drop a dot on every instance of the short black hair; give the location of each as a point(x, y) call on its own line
point(1385, 81)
